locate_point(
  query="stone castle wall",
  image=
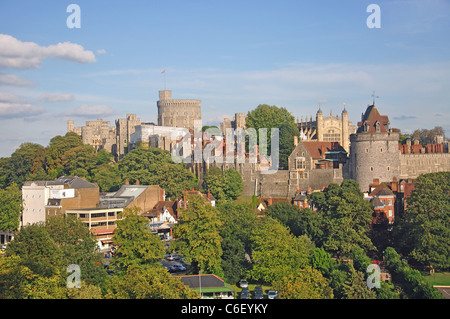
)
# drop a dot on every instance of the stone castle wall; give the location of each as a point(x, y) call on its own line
point(373, 156)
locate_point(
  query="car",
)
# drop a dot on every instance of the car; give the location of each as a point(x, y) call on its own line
point(272, 294)
point(171, 268)
point(243, 283)
point(245, 293)
point(258, 293)
point(179, 267)
point(169, 257)
point(176, 257)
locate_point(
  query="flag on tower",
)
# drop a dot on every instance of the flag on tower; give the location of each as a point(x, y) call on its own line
point(164, 71)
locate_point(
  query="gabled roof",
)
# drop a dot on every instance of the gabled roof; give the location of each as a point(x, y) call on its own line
point(317, 149)
point(380, 190)
point(370, 119)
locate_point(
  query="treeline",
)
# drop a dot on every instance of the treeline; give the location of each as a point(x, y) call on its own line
point(67, 155)
point(301, 253)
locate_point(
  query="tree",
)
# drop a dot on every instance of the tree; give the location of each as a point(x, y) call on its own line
point(276, 252)
point(153, 166)
point(307, 283)
point(426, 136)
point(426, 222)
point(107, 177)
point(145, 282)
point(266, 116)
point(10, 207)
point(321, 260)
point(238, 221)
point(409, 279)
point(136, 243)
point(287, 214)
point(58, 146)
point(198, 237)
point(25, 161)
point(223, 185)
point(233, 182)
point(346, 217)
point(355, 287)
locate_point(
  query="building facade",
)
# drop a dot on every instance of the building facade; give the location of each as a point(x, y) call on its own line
point(327, 129)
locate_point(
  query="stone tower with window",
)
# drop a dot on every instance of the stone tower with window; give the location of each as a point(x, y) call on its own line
point(374, 151)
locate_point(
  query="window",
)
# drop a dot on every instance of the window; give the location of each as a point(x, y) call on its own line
point(367, 150)
point(300, 163)
point(381, 150)
point(390, 213)
point(371, 169)
point(388, 168)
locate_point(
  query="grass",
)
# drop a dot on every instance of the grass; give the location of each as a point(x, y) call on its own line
point(438, 279)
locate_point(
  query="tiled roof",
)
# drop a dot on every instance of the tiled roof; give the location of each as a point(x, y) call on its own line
point(317, 149)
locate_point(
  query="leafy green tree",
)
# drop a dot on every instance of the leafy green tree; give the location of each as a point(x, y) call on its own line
point(136, 243)
point(234, 185)
point(307, 283)
point(25, 161)
point(321, 260)
point(266, 116)
point(197, 235)
point(80, 160)
point(145, 282)
point(58, 146)
point(346, 217)
point(287, 214)
point(223, 185)
point(355, 287)
point(107, 177)
point(154, 166)
point(410, 280)
point(310, 223)
point(37, 250)
point(423, 232)
point(238, 220)
point(10, 207)
point(276, 252)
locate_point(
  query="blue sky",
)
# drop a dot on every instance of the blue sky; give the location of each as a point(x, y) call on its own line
point(232, 55)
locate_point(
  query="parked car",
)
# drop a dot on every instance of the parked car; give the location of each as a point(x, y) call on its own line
point(243, 283)
point(259, 293)
point(171, 268)
point(179, 267)
point(245, 293)
point(272, 294)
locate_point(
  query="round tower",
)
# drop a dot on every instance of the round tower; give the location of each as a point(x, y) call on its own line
point(374, 152)
point(177, 113)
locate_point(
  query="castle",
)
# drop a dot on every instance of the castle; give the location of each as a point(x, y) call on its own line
point(330, 149)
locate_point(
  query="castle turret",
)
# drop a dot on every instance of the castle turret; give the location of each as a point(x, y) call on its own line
point(177, 113)
point(345, 142)
point(374, 152)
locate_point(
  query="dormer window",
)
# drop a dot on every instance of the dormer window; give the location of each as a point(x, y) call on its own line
point(377, 126)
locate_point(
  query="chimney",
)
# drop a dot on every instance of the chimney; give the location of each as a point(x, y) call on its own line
point(295, 140)
point(127, 182)
point(137, 182)
point(376, 182)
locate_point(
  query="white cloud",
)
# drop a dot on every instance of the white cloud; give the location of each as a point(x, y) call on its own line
point(24, 55)
point(101, 51)
point(90, 110)
point(11, 98)
point(17, 110)
point(13, 80)
point(46, 97)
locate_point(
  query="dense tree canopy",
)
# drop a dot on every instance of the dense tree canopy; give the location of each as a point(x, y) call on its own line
point(268, 117)
point(423, 233)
